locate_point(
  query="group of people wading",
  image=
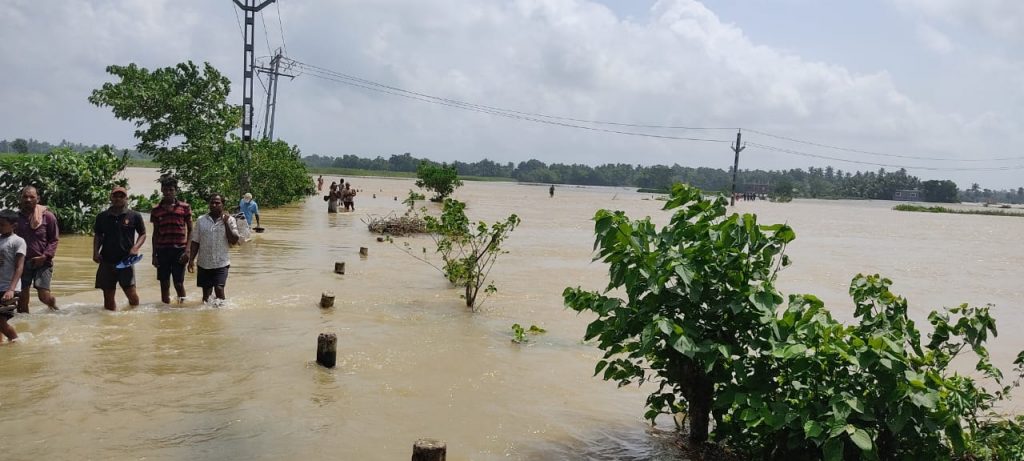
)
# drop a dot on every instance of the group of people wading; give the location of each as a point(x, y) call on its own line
point(29, 238)
point(340, 192)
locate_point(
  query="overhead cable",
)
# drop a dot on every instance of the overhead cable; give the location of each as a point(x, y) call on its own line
point(311, 70)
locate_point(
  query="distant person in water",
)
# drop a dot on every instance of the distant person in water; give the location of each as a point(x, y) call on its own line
point(348, 197)
point(118, 233)
point(250, 209)
point(172, 234)
point(320, 184)
point(551, 191)
point(333, 197)
point(215, 233)
point(12, 263)
point(38, 226)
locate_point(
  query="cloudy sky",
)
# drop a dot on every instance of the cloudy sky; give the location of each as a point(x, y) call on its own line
point(932, 85)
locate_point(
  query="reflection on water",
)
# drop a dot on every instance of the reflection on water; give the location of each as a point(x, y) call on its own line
point(238, 382)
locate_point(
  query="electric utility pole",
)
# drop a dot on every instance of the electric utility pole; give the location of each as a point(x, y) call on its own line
point(273, 72)
point(248, 61)
point(737, 148)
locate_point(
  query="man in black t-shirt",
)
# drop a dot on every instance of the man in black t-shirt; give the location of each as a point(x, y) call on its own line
point(118, 233)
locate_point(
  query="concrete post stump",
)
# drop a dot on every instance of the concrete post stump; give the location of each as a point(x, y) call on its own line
point(339, 268)
point(429, 450)
point(327, 349)
point(327, 299)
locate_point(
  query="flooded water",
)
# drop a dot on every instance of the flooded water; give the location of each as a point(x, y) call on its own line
point(239, 382)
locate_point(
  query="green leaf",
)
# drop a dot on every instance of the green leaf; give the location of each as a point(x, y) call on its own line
point(685, 346)
point(812, 429)
point(925, 399)
point(861, 439)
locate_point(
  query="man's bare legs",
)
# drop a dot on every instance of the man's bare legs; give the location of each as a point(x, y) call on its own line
point(44, 296)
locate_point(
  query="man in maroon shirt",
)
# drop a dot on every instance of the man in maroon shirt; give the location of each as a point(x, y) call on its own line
point(38, 226)
point(172, 234)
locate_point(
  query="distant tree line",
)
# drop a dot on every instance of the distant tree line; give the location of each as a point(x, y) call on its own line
point(812, 182)
point(34, 146)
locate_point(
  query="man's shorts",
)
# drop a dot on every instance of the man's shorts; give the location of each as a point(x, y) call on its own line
point(208, 278)
point(109, 277)
point(168, 264)
point(36, 277)
point(7, 309)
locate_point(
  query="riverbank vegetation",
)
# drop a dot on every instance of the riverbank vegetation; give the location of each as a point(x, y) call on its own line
point(771, 379)
point(941, 209)
point(75, 186)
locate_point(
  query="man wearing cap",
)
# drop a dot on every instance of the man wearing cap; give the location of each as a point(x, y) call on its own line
point(118, 234)
point(38, 226)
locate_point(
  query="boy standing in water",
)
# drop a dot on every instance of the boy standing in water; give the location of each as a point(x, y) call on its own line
point(215, 233)
point(12, 262)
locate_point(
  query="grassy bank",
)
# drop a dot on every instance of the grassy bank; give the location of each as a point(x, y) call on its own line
point(940, 209)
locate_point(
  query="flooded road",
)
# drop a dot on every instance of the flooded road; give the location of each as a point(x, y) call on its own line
point(239, 382)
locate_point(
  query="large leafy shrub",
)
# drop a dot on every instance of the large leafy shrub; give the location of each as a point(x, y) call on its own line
point(698, 293)
point(75, 186)
point(703, 320)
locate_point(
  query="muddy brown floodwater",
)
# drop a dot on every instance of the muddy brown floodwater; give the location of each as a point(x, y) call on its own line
point(196, 382)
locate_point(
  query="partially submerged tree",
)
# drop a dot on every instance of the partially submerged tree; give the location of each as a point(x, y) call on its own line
point(183, 120)
point(441, 179)
point(468, 250)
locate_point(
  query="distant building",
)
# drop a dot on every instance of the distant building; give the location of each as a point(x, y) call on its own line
point(911, 195)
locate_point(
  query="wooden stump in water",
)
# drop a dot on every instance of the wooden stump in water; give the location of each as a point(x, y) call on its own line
point(339, 268)
point(364, 252)
point(327, 299)
point(380, 239)
point(429, 450)
point(327, 349)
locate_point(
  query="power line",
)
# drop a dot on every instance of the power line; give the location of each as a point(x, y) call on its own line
point(880, 154)
point(440, 101)
point(886, 165)
point(280, 26)
point(239, 20)
point(331, 75)
point(530, 114)
point(266, 34)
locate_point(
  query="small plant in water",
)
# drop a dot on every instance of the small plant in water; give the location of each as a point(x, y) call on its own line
point(519, 333)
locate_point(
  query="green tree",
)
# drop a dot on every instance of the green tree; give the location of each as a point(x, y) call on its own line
point(188, 105)
point(697, 293)
point(939, 191)
point(75, 186)
point(441, 179)
point(19, 146)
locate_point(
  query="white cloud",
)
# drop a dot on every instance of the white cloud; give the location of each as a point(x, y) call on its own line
point(1004, 18)
point(575, 58)
point(933, 39)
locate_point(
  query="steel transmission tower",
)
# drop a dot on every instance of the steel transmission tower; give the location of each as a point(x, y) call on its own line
point(248, 61)
point(273, 72)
